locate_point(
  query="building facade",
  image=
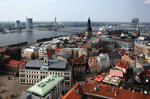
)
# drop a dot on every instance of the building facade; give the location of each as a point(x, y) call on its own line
point(32, 76)
point(141, 47)
point(124, 44)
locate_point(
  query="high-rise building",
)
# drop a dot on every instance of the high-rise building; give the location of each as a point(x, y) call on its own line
point(18, 24)
point(29, 23)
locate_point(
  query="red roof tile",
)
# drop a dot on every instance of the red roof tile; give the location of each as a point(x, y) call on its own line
point(71, 94)
point(84, 46)
point(122, 64)
point(104, 31)
point(16, 63)
point(99, 78)
point(95, 31)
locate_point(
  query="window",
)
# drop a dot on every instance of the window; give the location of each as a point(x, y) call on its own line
point(67, 78)
point(22, 80)
point(67, 83)
point(67, 73)
point(22, 75)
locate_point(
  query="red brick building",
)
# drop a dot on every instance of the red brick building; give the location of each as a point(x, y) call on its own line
point(12, 66)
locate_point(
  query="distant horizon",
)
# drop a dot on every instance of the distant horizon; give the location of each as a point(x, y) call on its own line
point(74, 21)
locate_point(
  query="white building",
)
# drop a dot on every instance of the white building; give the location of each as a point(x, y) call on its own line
point(103, 61)
point(27, 52)
point(36, 70)
point(42, 49)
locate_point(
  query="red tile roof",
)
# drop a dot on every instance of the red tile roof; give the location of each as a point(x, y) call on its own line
point(84, 46)
point(121, 63)
point(95, 31)
point(71, 94)
point(98, 78)
point(16, 63)
point(98, 90)
point(104, 31)
point(112, 92)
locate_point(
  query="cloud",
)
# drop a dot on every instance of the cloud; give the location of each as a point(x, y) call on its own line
point(147, 1)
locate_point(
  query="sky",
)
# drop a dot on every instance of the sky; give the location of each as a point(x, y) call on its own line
point(75, 10)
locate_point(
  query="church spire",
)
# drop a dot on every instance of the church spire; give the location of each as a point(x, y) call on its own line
point(89, 28)
point(137, 31)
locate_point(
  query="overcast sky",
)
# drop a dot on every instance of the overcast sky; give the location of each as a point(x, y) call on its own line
point(75, 10)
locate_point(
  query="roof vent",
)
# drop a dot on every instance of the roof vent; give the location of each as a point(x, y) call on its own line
point(51, 79)
point(42, 84)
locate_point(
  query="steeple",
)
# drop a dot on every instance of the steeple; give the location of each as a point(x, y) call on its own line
point(137, 30)
point(89, 28)
point(45, 58)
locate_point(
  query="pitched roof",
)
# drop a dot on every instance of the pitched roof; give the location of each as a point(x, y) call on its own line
point(71, 94)
point(121, 63)
point(46, 85)
point(53, 64)
point(114, 54)
point(65, 55)
point(16, 63)
point(94, 40)
point(116, 72)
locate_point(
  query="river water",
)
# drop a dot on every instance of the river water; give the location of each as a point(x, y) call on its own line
point(34, 35)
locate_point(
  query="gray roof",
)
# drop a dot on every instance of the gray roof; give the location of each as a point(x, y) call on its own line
point(65, 55)
point(53, 64)
point(138, 70)
point(146, 65)
point(114, 54)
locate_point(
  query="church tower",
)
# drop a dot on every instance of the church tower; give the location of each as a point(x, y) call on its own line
point(89, 29)
point(45, 58)
point(137, 31)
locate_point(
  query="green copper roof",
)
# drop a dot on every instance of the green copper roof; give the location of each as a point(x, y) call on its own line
point(94, 40)
point(45, 85)
point(137, 27)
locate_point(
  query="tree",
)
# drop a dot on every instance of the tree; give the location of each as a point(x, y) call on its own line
point(33, 56)
point(66, 41)
point(129, 74)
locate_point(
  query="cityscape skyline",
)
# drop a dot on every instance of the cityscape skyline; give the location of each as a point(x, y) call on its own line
point(71, 10)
